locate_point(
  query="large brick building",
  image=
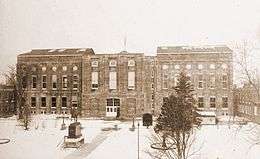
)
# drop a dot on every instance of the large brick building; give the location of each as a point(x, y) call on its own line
point(125, 84)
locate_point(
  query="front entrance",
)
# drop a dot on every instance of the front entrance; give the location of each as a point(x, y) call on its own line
point(113, 107)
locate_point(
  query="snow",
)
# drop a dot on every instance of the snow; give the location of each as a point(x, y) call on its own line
point(44, 140)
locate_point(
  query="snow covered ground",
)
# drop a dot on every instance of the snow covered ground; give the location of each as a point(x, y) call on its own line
point(44, 140)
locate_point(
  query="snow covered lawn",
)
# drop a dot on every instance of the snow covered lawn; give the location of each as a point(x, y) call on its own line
point(44, 140)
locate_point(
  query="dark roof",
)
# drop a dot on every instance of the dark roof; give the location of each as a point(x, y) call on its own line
point(194, 49)
point(72, 51)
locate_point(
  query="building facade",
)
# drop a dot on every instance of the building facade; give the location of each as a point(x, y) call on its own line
point(125, 84)
point(246, 103)
point(7, 105)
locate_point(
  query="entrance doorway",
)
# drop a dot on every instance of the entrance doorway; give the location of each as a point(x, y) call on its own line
point(113, 107)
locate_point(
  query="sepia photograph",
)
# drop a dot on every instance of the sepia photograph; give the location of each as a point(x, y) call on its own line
point(130, 79)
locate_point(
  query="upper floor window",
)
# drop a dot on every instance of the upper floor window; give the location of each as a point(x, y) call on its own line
point(224, 81)
point(131, 63)
point(64, 82)
point(33, 101)
point(165, 81)
point(75, 82)
point(212, 102)
point(34, 82)
point(200, 81)
point(177, 67)
point(94, 63)
point(224, 102)
point(64, 68)
point(112, 63)
point(53, 102)
point(75, 68)
point(131, 80)
point(44, 81)
point(200, 66)
point(112, 80)
point(54, 81)
point(43, 101)
point(43, 68)
point(212, 66)
point(188, 67)
point(165, 67)
point(64, 102)
point(224, 66)
point(94, 80)
point(212, 81)
point(54, 68)
point(200, 102)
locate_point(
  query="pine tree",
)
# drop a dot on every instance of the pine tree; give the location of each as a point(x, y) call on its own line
point(179, 116)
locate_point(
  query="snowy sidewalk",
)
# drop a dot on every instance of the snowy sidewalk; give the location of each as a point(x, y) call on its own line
point(87, 148)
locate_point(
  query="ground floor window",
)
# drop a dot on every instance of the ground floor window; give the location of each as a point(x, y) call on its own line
point(113, 107)
point(224, 102)
point(212, 102)
point(200, 102)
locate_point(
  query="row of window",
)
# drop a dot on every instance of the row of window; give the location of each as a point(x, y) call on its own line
point(64, 102)
point(201, 81)
point(55, 68)
point(212, 102)
point(54, 79)
point(112, 63)
point(189, 66)
point(113, 80)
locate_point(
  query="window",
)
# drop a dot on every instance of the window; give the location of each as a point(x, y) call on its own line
point(94, 80)
point(75, 68)
point(64, 82)
point(224, 102)
point(75, 82)
point(24, 81)
point(74, 101)
point(34, 82)
point(200, 81)
point(54, 68)
point(165, 81)
point(64, 102)
point(43, 68)
point(33, 101)
point(113, 107)
point(43, 102)
point(64, 68)
point(53, 102)
point(131, 63)
point(188, 67)
point(212, 102)
point(224, 81)
point(112, 80)
point(200, 66)
point(131, 80)
point(94, 64)
point(200, 102)
point(212, 81)
point(176, 79)
point(224, 66)
point(54, 81)
point(165, 67)
point(112, 63)
point(44, 81)
point(212, 66)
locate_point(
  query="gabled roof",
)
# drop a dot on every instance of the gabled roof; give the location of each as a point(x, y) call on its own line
point(59, 52)
point(194, 49)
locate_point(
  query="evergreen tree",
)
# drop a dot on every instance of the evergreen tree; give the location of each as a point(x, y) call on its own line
point(179, 116)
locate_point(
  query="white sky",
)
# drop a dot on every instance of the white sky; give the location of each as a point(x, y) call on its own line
point(103, 24)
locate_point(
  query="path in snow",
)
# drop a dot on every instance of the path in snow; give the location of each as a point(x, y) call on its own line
point(87, 148)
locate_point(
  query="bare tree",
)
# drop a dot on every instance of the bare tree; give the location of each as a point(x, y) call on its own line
point(249, 74)
point(18, 78)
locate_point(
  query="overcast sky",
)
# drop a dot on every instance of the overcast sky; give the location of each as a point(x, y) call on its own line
point(103, 24)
